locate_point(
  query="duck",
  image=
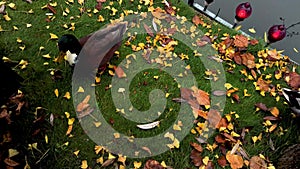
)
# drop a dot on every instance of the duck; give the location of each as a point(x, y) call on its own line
point(293, 99)
point(95, 47)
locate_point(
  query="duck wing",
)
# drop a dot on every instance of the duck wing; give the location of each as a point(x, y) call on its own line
point(100, 46)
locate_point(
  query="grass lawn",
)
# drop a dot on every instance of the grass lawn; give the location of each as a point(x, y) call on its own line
point(248, 74)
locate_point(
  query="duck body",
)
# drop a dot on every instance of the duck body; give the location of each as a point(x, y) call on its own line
point(293, 99)
point(98, 47)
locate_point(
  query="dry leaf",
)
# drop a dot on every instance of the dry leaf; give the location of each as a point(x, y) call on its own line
point(153, 164)
point(214, 117)
point(11, 162)
point(196, 20)
point(235, 161)
point(257, 163)
point(51, 8)
point(148, 30)
point(196, 158)
point(197, 147)
point(261, 106)
point(240, 41)
point(201, 96)
point(148, 126)
point(274, 111)
point(119, 72)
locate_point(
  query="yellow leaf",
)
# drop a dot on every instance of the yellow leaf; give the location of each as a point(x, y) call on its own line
point(110, 156)
point(137, 164)
point(98, 149)
point(46, 139)
point(238, 27)
point(12, 5)
point(97, 124)
point(12, 152)
point(252, 30)
point(67, 115)
point(228, 86)
point(163, 163)
point(205, 160)
point(81, 2)
point(76, 152)
point(296, 50)
point(265, 37)
point(71, 121)
point(22, 47)
point(117, 135)
point(15, 28)
point(176, 143)
point(68, 132)
point(6, 17)
point(84, 164)
point(114, 11)
point(19, 40)
point(272, 128)
point(100, 18)
point(254, 139)
point(28, 25)
point(80, 89)
point(47, 56)
point(67, 95)
point(56, 92)
point(245, 93)
point(176, 127)
point(53, 36)
point(54, 4)
point(6, 59)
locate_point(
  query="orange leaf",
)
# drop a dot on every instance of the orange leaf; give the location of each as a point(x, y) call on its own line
point(197, 147)
point(257, 163)
point(222, 161)
point(201, 96)
point(197, 20)
point(274, 111)
point(235, 161)
point(240, 41)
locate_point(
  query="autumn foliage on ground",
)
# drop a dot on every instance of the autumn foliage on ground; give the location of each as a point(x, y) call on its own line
point(255, 76)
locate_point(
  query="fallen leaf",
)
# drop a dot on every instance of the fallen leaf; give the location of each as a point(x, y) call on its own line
point(148, 30)
point(196, 20)
point(11, 162)
point(197, 147)
point(240, 41)
point(51, 8)
point(274, 111)
point(222, 161)
point(261, 106)
point(53, 36)
point(153, 164)
point(257, 163)
point(196, 158)
point(119, 72)
point(235, 161)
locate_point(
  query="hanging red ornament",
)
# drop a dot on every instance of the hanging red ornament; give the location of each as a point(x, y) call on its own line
point(276, 33)
point(243, 11)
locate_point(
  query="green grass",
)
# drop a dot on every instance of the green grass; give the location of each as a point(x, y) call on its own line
point(39, 91)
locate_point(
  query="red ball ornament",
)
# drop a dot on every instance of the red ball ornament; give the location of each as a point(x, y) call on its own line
point(276, 33)
point(243, 11)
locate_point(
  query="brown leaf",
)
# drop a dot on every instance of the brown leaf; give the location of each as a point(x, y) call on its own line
point(146, 55)
point(235, 161)
point(257, 163)
point(108, 162)
point(214, 117)
point(261, 106)
point(148, 30)
point(222, 161)
point(197, 147)
point(201, 43)
point(219, 93)
point(262, 84)
point(237, 58)
point(186, 93)
point(248, 60)
point(220, 139)
point(153, 164)
point(119, 72)
point(202, 97)
point(271, 118)
point(2, 9)
point(85, 112)
point(51, 8)
point(210, 165)
point(228, 136)
point(223, 123)
point(240, 41)
point(11, 162)
point(253, 73)
point(294, 80)
point(236, 98)
point(197, 20)
point(254, 42)
point(98, 6)
point(170, 10)
point(159, 13)
point(196, 158)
